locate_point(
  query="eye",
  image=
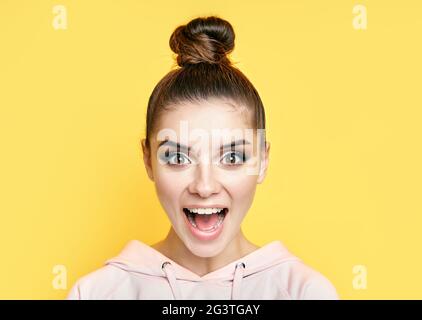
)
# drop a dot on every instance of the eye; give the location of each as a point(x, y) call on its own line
point(177, 159)
point(234, 158)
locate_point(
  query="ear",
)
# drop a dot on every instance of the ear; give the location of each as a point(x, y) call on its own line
point(264, 163)
point(147, 159)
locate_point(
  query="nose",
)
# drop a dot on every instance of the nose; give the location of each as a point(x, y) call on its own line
point(204, 183)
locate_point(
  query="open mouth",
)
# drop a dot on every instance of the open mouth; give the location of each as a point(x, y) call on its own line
point(206, 219)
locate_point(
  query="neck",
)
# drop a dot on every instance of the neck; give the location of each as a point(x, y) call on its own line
point(173, 248)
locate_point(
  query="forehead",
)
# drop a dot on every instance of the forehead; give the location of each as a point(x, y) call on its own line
point(207, 115)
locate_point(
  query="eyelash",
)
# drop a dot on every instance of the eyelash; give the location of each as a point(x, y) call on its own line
point(242, 155)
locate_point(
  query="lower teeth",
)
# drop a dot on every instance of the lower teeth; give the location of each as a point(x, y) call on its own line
point(219, 222)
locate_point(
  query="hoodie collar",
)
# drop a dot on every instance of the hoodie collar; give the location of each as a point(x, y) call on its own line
point(139, 257)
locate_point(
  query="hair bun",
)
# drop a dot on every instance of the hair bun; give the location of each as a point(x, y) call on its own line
point(204, 39)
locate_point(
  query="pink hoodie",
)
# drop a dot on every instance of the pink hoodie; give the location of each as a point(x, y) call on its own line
point(141, 272)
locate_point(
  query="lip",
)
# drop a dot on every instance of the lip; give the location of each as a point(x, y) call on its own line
point(204, 235)
point(193, 206)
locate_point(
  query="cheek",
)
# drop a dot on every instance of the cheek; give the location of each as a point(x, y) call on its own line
point(169, 187)
point(242, 191)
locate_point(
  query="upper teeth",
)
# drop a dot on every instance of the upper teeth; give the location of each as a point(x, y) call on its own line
point(205, 210)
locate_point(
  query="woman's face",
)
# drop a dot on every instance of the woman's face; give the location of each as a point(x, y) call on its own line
point(207, 183)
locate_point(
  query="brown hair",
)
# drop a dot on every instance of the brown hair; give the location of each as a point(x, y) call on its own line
point(204, 72)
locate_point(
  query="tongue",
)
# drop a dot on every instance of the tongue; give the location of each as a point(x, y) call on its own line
point(206, 221)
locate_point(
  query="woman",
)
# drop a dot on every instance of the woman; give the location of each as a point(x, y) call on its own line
point(205, 150)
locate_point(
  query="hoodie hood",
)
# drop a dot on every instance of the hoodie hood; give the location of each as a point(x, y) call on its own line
point(138, 257)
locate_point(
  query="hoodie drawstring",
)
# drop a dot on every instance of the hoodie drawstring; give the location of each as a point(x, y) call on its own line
point(237, 280)
point(172, 280)
point(236, 286)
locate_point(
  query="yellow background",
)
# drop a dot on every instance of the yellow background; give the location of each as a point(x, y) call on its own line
point(344, 119)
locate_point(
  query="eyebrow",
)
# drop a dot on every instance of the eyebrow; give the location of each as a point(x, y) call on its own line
point(183, 147)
